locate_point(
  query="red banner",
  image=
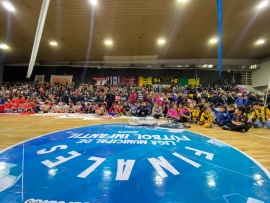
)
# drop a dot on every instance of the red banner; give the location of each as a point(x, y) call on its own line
point(101, 80)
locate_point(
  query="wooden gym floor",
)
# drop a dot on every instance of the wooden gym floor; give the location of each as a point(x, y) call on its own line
point(18, 128)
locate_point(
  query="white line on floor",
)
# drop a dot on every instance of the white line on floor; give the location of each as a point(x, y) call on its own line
point(7, 129)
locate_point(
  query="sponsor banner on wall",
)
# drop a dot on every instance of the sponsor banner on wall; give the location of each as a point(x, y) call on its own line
point(144, 81)
point(62, 78)
point(39, 78)
point(165, 80)
point(101, 80)
point(115, 80)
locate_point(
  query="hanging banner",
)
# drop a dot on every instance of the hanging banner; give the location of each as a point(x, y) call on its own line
point(129, 81)
point(182, 81)
point(101, 80)
point(115, 80)
point(61, 78)
point(39, 78)
point(144, 81)
point(194, 82)
point(165, 80)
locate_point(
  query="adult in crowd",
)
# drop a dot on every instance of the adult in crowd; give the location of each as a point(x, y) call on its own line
point(133, 97)
point(157, 111)
point(190, 102)
point(109, 99)
point(65, 97)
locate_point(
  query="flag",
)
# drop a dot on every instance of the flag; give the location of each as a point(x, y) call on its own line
point(196, 76)
point(194, 82)
point(115, 80)
point(266, 93)
point(269, 83)
point(144, 81)
point(124, 80)
point(233, 80)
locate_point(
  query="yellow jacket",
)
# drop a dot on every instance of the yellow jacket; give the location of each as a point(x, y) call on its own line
point(261, 114)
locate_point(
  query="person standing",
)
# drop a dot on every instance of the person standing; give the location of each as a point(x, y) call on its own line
point(109, 99)
point(65, 97)
point(73, 97)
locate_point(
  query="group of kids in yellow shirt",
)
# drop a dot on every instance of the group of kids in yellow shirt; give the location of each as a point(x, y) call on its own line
point(235, 118)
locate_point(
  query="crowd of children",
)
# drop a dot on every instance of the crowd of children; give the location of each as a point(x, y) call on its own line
point(203, 105)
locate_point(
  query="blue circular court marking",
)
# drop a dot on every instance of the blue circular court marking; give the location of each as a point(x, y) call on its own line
point(118, 163)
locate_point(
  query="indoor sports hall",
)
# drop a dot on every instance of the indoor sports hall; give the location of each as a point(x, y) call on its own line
point(124, 101)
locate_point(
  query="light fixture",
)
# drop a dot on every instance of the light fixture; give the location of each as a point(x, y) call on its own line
point(182, 1)
point(93, 2)
point(4, 46)
point(108, 42)
point(260, 41)
point(53, 43)
point(213, 40)
point(263, 4)
point(253, 66)
point(161, 41)
point(7, 5)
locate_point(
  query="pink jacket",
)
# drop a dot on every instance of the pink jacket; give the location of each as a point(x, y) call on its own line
point(174, 113)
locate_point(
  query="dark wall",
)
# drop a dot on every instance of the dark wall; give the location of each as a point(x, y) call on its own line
point(81, 74)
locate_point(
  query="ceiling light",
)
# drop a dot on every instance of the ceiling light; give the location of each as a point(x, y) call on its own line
point(108, 42)
point(213, 41)
point(161, 41)
point(8, 6)
point(263, 4)
point(182, 1)
point(93, 2)
point(53, 43)
point(4, 46)
point(260, 41)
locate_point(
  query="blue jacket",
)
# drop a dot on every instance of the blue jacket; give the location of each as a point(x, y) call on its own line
point(222, 118)
point(239, 101)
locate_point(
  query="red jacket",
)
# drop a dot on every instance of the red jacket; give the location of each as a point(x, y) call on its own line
point(132, 97)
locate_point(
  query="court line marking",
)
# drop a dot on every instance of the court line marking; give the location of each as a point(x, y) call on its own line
point(224, 196)
point(39, 136)
point(7, 129)
point(267, 173)
point(23, 174)
point(268, 138)
point(260, 165)
point(255, 161)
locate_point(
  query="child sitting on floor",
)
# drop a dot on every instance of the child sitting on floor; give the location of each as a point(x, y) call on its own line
point(239, 121)
point(206, 119)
